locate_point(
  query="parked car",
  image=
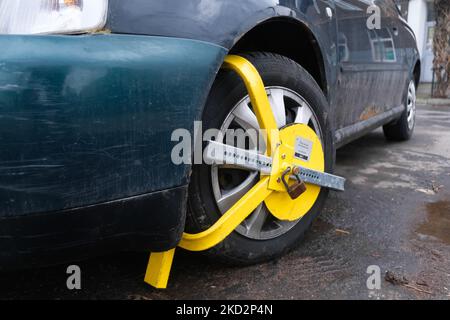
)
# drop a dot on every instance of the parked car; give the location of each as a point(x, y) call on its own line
point(91, 91)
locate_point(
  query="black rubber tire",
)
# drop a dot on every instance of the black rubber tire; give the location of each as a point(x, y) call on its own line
point(226, 92)
point(399, 129)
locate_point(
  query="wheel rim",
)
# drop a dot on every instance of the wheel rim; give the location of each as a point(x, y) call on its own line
point(230, 184)
point(411, 105)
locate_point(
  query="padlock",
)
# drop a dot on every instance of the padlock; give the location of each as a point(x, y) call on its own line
point(297, 189)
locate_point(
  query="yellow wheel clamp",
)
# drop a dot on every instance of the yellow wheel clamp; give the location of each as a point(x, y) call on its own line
point(292, 175)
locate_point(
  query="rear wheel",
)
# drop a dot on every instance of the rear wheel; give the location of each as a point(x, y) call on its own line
point(403, 129)
point(295, 98)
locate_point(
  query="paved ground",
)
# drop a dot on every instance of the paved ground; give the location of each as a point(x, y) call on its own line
point(395, 214)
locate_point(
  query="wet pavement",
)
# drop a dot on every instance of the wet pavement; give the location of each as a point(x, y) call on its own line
point(395, 215)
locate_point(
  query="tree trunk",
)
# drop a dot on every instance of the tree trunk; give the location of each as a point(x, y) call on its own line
point(441, 48)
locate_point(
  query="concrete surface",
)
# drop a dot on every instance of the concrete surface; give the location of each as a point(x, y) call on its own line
point(395, 215)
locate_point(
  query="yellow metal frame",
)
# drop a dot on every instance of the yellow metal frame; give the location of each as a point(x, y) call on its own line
point(280, 203)
point(258, 97)
point(160, 264)
point(229, 221)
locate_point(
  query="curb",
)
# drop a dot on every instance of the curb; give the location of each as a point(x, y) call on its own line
point(434, 102)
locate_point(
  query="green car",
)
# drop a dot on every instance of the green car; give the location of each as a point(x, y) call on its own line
point(91, 92)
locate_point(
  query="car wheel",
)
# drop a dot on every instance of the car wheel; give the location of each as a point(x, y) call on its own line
point(215, 189)
point(403, 129)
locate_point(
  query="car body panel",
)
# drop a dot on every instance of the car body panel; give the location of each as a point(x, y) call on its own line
point(85, 120)
point(222, 22)
point(372, 62)
point(225, 22)
point(152, 222)
point(357, 89)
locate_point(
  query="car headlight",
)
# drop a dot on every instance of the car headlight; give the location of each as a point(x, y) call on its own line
point(51, 16)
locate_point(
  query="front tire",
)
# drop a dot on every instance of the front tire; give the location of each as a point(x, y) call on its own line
point(228, 105)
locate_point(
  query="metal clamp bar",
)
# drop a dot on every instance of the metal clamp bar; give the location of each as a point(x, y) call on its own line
point(321, 179)
point(218, 153)
point(222, 154)
point(258, 97)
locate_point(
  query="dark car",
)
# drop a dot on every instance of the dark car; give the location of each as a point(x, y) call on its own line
point(91, 92)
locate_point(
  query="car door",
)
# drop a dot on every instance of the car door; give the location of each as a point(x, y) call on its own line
point(367, 62)
point(394, 62)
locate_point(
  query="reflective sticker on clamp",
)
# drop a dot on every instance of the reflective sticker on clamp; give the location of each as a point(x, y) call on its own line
point(303, 149)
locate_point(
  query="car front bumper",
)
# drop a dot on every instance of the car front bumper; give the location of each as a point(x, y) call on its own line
point(86, 121)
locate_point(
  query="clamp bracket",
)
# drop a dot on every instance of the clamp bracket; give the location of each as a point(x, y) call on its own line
point(265, 191)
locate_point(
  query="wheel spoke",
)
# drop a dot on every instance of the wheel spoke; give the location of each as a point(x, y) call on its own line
point(304, 115)
point(255, 223)
point(230, 198)
point(245, 117)
point(276, 99)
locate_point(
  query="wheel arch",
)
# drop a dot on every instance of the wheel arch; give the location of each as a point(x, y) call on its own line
point(293, 39)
